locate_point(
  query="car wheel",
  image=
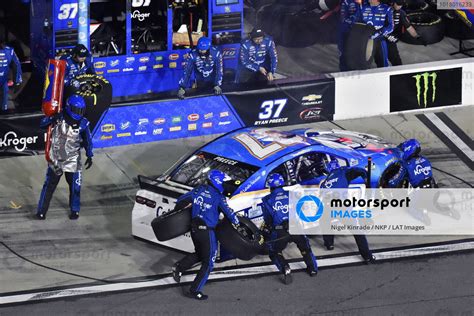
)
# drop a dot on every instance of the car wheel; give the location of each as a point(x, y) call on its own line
point(96, 91)
point(242, 243)
point(359, 47)
point(428, 25)
point(173, 224)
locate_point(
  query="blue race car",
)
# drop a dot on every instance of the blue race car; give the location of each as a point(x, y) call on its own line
point(248, 156)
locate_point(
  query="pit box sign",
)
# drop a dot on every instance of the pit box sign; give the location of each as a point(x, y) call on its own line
point(425, 89)
point(286, 104)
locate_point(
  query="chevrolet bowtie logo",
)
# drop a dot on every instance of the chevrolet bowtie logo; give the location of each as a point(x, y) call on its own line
point(312, 97)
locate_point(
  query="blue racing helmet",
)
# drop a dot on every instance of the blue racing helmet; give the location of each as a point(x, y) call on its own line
point(204, 43)
point(216, 178)
point(410, 148)
point(76, 107)
point(332, 165)
point(275, 180)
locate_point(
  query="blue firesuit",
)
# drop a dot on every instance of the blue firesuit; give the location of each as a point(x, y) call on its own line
point(350, 10)
point(77, 134)
point(419, 172)
point(253, 56)
point(381, 18)
point(74, 69)
point(340, 179)
point(275, 214)
point(208, 69)
point(206, 203)
point(8, 59)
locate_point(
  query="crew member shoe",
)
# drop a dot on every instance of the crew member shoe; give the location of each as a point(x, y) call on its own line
point(287, 278)
point(330, 247)
point(40, 216)
point(371, 260)
point(74, 215)
point(196, 295)
point(311, 272)
point(177, 274)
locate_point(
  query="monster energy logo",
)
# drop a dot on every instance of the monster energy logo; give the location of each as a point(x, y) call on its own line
point(425, 78)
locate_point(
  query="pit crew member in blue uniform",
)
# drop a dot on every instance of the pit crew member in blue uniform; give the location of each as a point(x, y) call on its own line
point(207, 199)
point(70, 133)
point(78, 63)
point(340, 178)
point(419, 172)
point(257, 59)
point(350, 10)
point(380, 16)
point(8, 60)
point(205, 61)
point(275, 214)
point(400, 21)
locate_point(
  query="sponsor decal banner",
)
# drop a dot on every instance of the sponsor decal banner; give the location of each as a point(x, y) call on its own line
point(287, 104)
point(380, 211)
point(427, 89)
point(165, 120)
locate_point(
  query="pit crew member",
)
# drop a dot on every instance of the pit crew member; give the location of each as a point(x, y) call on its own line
point(70, 132)
point(257, 59)
point(380, 16)
point(350, 10)
point(207, 199)
point(275, 214)
point(205, 61)
point(78, 63)
point(418, 169)
point(8, 60)
point(401, 21)
point(340, 178)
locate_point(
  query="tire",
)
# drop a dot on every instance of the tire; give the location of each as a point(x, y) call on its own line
point(97, 92)
point(359, 47)
point(428, 25)
point(242, 244)
point(172, 224)
point(416, 6)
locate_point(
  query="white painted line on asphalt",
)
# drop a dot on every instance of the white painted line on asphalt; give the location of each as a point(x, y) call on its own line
point(451, 135)
point(219, 275)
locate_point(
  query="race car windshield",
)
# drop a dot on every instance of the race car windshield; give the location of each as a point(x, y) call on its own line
point(193, 172)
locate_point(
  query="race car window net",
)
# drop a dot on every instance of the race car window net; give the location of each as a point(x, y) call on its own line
point(193, 172)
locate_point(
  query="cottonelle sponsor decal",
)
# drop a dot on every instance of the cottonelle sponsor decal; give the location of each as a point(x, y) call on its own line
point(193, 117)
point(12, 139)
point(310, 114)
point(312, 99)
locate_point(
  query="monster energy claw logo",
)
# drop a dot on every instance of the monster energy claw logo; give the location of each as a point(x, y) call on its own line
point(425, 78)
